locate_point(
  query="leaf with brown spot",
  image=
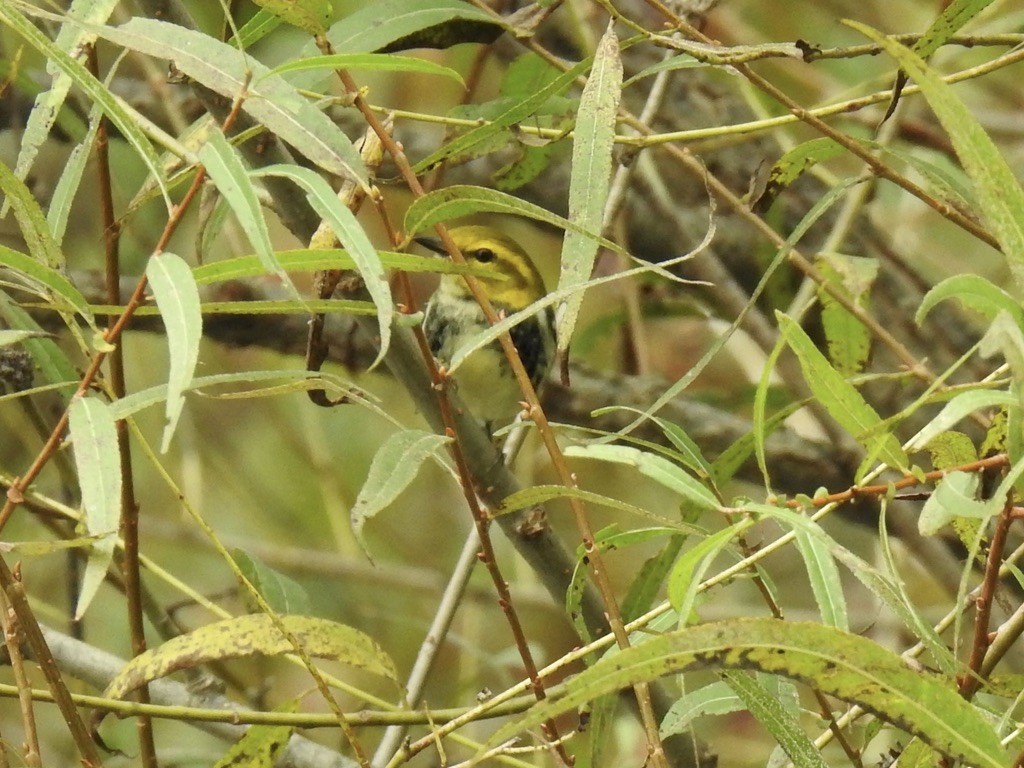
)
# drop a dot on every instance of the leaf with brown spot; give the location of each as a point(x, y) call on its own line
point(254, 635)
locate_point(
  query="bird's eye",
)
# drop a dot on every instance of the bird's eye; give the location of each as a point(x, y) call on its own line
point(484, 255)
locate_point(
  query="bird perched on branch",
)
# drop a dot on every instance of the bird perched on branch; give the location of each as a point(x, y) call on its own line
point(453, 319)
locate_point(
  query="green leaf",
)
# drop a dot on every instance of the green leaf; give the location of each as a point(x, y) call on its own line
point(886, 589)
point(1000, 197)
point(178, 300)
point(776, 719)
point(295, 381)
point(759, 433)
point(540, 494)
point(311, 16)
point(714, 699)
point(956, 409)
point(256, 28)
point(843, 402)
point(974, 292)
point(395, 465)
point(650, 465)
point(849, 340)
point(31, 220)
point(126, 119)
point(253, 635)
point(49, 283)
point(682, 61)
point(462, 200)
point(352, 236)
point(283, 594)
point(516, 113)
point(590, 177)
point(259, 747)
point(851, 668)
point(9, 338)
point(647, 583)
point(373, 62)
point(791, 166)
point(311, 259)
point(70, 180)
point(225, 167)
point(690, 568)
point(399, 24)
point(953, 17)
point(954, 496)
point(72, 40)
point(824, 577)
point(830, 198)
point(98, 463)
point(270, 100)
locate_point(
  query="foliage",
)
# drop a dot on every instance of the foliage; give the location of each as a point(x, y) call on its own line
point(779, 485)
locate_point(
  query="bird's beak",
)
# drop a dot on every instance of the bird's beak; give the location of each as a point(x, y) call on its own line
point(431, 244)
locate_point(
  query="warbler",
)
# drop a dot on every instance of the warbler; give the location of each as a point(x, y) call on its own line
point(484, 379)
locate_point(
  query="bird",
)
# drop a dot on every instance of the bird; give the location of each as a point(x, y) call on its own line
point(508, 276)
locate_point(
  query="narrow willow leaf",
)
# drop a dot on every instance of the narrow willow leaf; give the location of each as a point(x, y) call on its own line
point(648, 580)
point(823, 575)
point(71, 178)
point(540, 494)
point(296, 381)
point(689, 569)
point(974, 292)
point(311, 259)
point(310, 16)
point(380, 25)
point(282, 594)
point(954, 496)
point(682, 61)
point(882, 586)
point(776, 719)
point(9, 338)
point(395, 465)
point(514, 114)
point(260, 747)
point(462, 200)
point(256, 28)
point(31, 220)
point(732, 458)
point(834, 662)
point(953, 17)
point(849, 340)
point(372, 62)
point(120, 115)
point(830, 198)
point(178, 300)
point(98, 463)
point(72, 40)
point(959, 407)
point(686, 452)
point(759, 433)
point(253, 635)
point(1006, 339)
point(791, 166)
point(843, 402)
point(352, 236)
point(226, 169)
point(48, 282)
point(270, 100)
point(714, 699)
point(650, 465)
point(1000, 197)
point(590, 176)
